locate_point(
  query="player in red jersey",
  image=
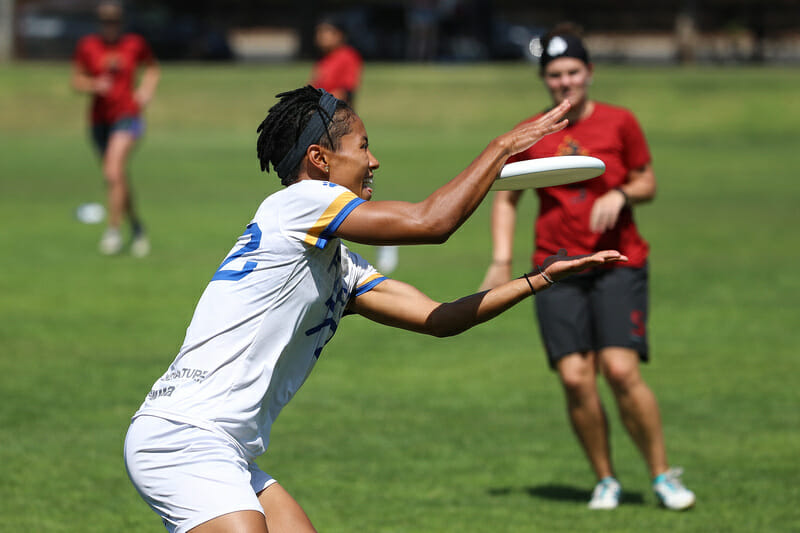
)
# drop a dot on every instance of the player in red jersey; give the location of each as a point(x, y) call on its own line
point(338, 71)
point(105, 66)
point(594, 323)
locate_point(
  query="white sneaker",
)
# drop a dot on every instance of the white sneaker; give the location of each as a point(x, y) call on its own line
point(140, 246)
point(671, 492)
point(606, 494)
point(110, 242)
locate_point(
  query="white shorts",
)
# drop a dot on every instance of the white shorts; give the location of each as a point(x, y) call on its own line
point(189, 475)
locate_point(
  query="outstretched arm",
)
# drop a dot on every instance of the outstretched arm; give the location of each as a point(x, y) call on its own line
point(434, 219)
point(400, 305)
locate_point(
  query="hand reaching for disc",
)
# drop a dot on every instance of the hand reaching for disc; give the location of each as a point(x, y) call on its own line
point(561, 265)
point(528, 133)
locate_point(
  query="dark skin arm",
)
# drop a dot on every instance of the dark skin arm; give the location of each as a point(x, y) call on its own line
point(401, 305)
point(435, 218)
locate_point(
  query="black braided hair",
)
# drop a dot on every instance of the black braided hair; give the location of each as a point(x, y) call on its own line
point(287, 119)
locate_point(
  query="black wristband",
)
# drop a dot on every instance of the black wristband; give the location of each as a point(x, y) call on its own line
point(533, 291)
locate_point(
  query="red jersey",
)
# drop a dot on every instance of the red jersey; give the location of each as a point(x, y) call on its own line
point(118, 60)
point(339, 69)
point(611, 134)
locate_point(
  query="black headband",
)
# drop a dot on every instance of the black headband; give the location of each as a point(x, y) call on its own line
point(316, 127)
point(563, 46)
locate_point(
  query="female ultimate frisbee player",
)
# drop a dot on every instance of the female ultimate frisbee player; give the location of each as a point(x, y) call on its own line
point(277, 299)
point(105, 66)
point(594, 322)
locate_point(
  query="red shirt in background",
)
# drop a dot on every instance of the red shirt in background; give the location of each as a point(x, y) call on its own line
point(611, 134)
point(339, 69)
point(118, 60)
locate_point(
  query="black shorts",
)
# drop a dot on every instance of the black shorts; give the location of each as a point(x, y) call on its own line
point(594, 310)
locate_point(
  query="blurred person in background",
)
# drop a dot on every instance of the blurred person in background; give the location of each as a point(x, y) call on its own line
point(338, 71)
point(105, 66)
point(594, 323)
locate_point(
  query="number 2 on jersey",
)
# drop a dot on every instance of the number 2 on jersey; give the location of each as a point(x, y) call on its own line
point(235, 275)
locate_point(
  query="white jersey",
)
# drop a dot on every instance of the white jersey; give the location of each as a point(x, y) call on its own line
point(264, 318)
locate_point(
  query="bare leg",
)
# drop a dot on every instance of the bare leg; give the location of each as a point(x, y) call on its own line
point(238, 522)
point(115, 162)
point(284, 514)
point(578, 375)
point(637, 405)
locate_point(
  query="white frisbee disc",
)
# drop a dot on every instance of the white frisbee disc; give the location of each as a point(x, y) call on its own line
point(547, 171)
point(91, 213)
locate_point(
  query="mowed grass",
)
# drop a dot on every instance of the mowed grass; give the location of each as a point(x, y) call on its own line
point(396, 432)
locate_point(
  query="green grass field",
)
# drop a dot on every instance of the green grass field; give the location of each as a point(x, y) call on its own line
point(396, 432)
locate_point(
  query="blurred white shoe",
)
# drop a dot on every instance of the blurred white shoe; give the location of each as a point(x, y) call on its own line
point(606, 494)
point(140, 246)
point(91, 213)
point(110, 242)
point(671, 492)
point(387, 259)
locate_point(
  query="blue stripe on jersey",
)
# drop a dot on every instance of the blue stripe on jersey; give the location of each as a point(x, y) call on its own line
point(327, 233)
point(369, 286)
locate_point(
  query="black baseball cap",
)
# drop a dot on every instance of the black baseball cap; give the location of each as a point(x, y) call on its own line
point(563, 45)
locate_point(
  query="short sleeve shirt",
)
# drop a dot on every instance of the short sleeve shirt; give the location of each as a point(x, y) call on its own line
point(266, 315)
point(119, 61)
point(613, 135)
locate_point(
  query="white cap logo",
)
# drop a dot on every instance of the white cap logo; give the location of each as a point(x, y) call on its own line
point(556, 46)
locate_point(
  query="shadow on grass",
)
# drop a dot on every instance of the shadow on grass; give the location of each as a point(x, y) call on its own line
point(563, 493)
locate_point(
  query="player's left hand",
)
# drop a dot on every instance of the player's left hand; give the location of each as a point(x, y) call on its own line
point(561, 265)
point(606, 210)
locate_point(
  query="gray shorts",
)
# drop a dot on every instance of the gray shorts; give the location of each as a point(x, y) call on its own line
point(594, 310)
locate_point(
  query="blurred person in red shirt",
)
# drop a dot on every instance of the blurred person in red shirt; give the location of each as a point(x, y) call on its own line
point(105, 66)
point(338, 71)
